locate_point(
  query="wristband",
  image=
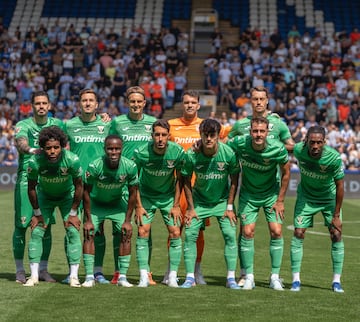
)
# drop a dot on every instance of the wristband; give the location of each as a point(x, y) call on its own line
point(37, 212)
point(73, 213)
point(32, 150)
point(230, 207)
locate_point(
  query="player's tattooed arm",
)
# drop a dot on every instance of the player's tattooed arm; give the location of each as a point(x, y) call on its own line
point(23, 147)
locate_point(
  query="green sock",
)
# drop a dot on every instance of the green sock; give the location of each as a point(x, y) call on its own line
point(116, 245)
point(142, 252)
point(19, 242)
point(124, 263)
point(276, 254)
point(190, 251)
point(89, 264)
point(175, 253)
point(230, 251)
point(74, 248)
point(247, 254)
point(100, 243)
point(47, 242)
point(337, 256)
point(36, 245)
point(296, 254)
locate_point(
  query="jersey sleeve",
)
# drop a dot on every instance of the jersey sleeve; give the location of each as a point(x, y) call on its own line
point(32, 169)
point(133, 179)
point(76, 169)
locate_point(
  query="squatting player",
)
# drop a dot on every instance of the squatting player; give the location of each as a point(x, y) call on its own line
point(106, 180)
point(321, 189)
point(27, 142)
point(216, 171)
point(159, 164)
point(260, 159)
point(54, 180)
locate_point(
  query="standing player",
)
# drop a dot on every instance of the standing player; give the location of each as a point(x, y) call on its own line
point(54, 180)
point(278, 130)
point(260, 158)
point(27, 143)
point(159, 163)
point(106, 179)
point(321, 189)
point(87, 134)
point(134, 130)
point(214, 166)
point(185, 131)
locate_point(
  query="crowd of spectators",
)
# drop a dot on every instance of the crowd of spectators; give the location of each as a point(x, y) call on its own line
point(62, 61)
point(311, 79)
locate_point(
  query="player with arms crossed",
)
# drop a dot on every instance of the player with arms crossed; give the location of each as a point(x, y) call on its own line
point(217, 173)
point(54, 180)
point(159, 164)
point(87, 133)
point(321, 189)
point(134, 130)
point(27, 142)
point(260, 158)
point(106, 180)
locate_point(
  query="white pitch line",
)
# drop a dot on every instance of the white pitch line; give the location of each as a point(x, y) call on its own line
point(309, 231)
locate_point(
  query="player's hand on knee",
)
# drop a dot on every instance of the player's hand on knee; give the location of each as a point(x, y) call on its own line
point(139, 213)
point(88, 229)
point(73, 221)
point(126, 231)
point(190, 214)
point(37, 221)
point(232, 217)
point(175, 212)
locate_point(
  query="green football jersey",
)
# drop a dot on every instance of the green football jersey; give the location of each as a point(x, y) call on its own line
point(278, 129)
point(109, 184)
point(86, 139)
point(133, 133)
point(318, 176)
point(30, 130)
point(212, 174)
point(259, 168)
point(157, 172)
point(55, 179)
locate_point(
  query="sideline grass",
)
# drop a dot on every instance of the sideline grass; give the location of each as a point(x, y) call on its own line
point(213, 302)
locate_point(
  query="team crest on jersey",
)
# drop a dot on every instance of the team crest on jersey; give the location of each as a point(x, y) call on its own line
point(323, 168)
point(17, 129)
point(148, 128)
point(266, 161)
point(29, 170)
point(221, 166)
point(122, 178)
point(42, 172)
point(101, 129)
point(299, 220)
point(170, 163)
point(64, 171)
point(271, 126)
point(243, 217)
point(23, 220)
point(87, 174)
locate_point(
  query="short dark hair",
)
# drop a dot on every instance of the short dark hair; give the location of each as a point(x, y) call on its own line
point(88, 91)
point(210, 126)
point(314, 129)
point(162, 123)
point(52, 133)
point(39, 93)
point(112, 137)
point(192, 93)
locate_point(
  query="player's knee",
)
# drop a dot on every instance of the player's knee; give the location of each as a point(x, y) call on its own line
point(143, 231)
point(72, 233)
point(174, 231)
point(191, 235)
point(37, 233)
point(299, 233)
point(335, 236)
